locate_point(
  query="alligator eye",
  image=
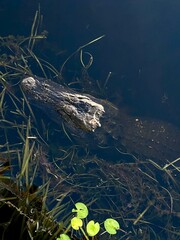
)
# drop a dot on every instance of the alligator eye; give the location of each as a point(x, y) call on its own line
point(45, 85)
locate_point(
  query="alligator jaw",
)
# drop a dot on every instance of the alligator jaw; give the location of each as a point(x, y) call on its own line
point(82, 110)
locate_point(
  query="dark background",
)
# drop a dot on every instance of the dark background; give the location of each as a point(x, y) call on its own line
point(141, 47)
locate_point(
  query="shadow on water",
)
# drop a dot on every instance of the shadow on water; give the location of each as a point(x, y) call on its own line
point(47, 167)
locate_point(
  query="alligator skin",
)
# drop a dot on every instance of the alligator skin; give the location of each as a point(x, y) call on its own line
point(143, 137)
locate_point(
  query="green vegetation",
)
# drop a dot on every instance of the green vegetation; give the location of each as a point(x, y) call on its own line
point(43, 171)
point(92, 228)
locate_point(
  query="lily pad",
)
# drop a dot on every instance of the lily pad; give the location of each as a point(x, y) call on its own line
point(92, 228)
point(63, 237)
point(81, 210)
point(111, 225)
point(76, 223)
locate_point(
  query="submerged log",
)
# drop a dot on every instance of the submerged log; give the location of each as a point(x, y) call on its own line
point(143, 137)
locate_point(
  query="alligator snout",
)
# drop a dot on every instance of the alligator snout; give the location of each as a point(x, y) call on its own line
point(28, 83)
point(76, 109)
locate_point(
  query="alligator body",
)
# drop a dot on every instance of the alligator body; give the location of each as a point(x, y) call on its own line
point(143, 137)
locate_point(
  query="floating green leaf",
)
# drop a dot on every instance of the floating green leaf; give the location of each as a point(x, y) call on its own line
point(92, 228)
point(111, 225)
point(63, 237)
point(81, 210)
point(76, 223)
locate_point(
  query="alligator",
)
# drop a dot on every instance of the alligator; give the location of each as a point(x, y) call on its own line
point(100, 120)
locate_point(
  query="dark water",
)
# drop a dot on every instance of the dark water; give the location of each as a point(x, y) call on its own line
point(141, 49)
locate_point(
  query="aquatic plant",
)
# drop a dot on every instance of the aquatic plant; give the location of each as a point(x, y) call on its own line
point(63, 237)
point(111, 226)
point(81, 210)
point(92, 228)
